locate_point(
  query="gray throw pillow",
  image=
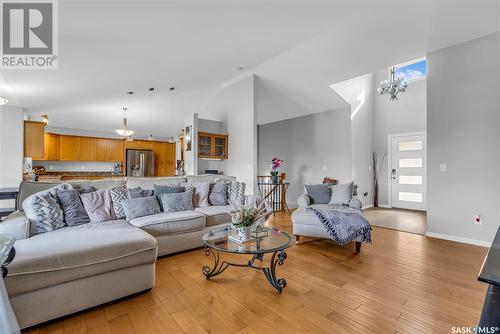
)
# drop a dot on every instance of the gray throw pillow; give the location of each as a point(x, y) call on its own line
point(138, 192)
point(200, 193)
point(174, 202)
point(44, 211)
point(319, 193)
point(74, 212)
point(235, 191)
point(140, 207)
point(166, 189)
point(117, 196)
point(98, 206)
point(342, 193)
point(217, 194)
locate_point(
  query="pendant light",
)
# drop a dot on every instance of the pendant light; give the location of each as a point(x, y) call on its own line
point(124, 131)
point(151, 91)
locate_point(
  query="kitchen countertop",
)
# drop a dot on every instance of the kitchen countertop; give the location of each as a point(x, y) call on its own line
point(73, 174)
point(490, 272)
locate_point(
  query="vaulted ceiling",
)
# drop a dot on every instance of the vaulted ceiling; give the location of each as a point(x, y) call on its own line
point(297, 49)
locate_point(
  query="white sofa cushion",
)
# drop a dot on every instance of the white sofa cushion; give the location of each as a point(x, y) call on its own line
point(77, 252)
point(302, 217)
point(216, 215)
point(148, 183)
point(170, 223)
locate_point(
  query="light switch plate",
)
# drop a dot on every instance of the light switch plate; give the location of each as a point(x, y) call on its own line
point(443, 167)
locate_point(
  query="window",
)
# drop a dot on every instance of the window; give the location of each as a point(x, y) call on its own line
point(410, 163)
point(410, 146)
point(410, 197)
point(410, 179)
point(412, 71)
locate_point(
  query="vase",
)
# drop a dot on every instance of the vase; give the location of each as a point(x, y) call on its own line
point(274, 179)
point(245, 233)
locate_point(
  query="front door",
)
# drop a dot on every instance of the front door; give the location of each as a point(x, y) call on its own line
point(408, 171)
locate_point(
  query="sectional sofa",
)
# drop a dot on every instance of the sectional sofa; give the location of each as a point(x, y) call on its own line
point(75, 268)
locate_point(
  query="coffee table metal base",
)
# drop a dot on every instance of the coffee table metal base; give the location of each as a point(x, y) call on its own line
point(278, 258)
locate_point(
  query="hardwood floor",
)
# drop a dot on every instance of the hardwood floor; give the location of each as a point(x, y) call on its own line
point(402, 283)
point(398, 219)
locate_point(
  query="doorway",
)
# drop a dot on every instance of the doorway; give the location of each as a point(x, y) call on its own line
point(408, 171)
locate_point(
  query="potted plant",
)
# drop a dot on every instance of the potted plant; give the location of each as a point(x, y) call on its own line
point(243, 218)
point(275, 164)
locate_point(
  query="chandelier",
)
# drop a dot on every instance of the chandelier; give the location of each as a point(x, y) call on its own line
point(125, 131)
point(393, 86)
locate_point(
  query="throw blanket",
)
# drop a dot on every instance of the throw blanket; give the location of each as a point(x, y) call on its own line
point(343, 223)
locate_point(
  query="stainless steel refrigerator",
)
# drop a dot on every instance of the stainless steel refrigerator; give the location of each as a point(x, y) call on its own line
point(140, 163)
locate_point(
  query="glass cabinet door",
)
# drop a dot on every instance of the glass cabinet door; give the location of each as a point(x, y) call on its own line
point(220, 147)
point(205, 146)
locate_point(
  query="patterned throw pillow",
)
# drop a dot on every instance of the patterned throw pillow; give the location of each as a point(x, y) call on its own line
point(235, 192)
point(117, 196)
point(44, 211)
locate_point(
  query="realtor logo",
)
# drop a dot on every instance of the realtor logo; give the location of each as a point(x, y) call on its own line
point(29, 34)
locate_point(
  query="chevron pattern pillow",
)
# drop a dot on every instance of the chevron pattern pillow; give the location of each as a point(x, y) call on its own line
point(117, 196)
point(44, 210)
point(235, 192)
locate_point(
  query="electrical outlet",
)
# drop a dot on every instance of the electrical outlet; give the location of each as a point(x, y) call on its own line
point(478, 220)
point(82, 167)
point(51, 167)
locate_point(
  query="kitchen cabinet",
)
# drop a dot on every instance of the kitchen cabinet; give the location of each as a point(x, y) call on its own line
point(109, 150)
point(52, 146)
point(68, 148)
point(86, 149)
point(212, 145)
point(34, 140)
point(164, 158)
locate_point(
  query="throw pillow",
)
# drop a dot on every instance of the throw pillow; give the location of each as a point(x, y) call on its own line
point(74, 212)
point(235, 191)
point(319, 193)
point(138, 192)
point(117, 196)
point(217, 194)
point(200, 192)
point(342, 193)
point(98, 206)
point(140, 207)
point(86, 189)
point(174, 202)
point(166, 189)
point(44, 211)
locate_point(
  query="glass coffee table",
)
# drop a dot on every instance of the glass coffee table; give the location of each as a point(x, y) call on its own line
point(275, 242)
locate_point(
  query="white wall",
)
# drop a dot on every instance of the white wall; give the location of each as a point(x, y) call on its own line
point(11, 145)
point(312, 147)
point(406, 114)
point(463, 132)
point(234, 105)
point(358, 93)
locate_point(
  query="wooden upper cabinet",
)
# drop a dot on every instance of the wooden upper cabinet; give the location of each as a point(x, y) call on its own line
point(86, 149)
point(68, 148)
point(109, 150)
point(34, 140)
point(52, 146)
point(116, 150)
point(212, 145)
point(164, 158)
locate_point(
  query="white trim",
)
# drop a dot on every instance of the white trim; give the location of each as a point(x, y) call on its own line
point(459, 239)
point(385, 206)
point(389, 161)
point(367, 206)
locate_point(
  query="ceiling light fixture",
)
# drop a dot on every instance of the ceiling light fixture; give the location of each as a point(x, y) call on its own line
point(45, 119)
point(3, 101)
point(393, 86)
point(124, 131)
point(151, 91)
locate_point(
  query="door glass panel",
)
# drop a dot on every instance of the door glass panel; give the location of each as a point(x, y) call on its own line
point(219, 151)
point(220, 141)
point(410, 179)
point(410, 197)
point(410, 163)
point(410, 145)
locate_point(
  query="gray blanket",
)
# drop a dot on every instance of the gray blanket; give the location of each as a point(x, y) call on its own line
point(343, 223)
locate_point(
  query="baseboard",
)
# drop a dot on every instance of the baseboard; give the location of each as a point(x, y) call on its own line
point(459, 239)
point(367, 206)
point(385, 206)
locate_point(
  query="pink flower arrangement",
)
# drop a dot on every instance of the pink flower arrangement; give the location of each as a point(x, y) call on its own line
point(276, 163)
